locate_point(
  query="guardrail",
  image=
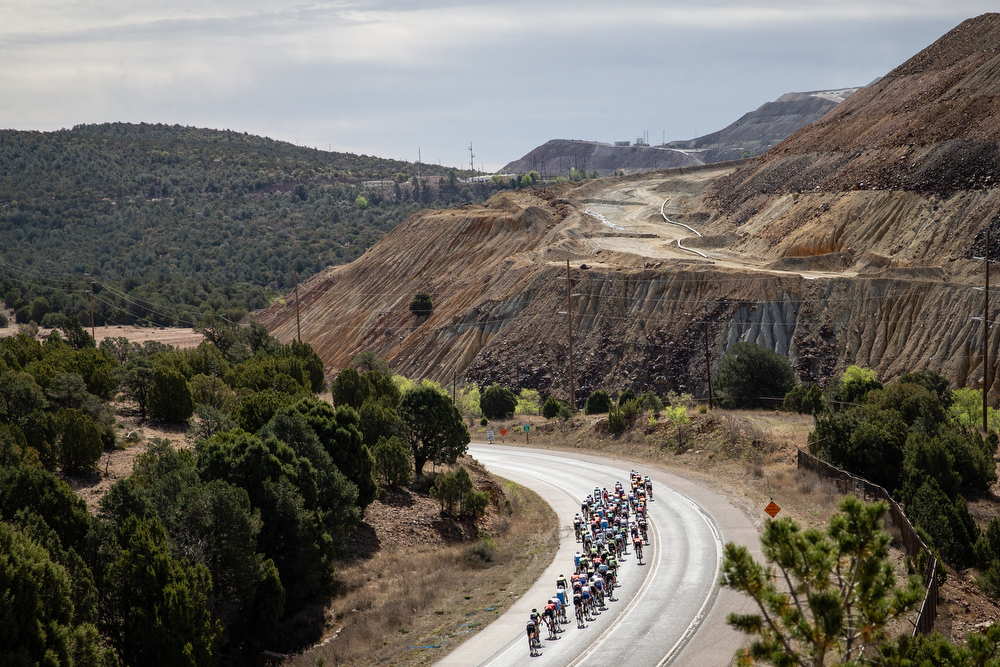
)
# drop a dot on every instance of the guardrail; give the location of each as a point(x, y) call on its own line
point(862, 488)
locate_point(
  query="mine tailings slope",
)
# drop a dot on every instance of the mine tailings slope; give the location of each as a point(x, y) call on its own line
point(849, 242)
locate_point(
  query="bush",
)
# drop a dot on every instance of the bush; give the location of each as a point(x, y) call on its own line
point(483, 421)
point(806, 399)
point(630, 409)
point(933, 382)
point(598, 402)
point(856, 384)
point(527, 402)
point(80, 445)
point(551, 408)
point(497, 402)
point(752, 376)
point(480, 553)
point(616, 421)
point(651, 402)
point(951, 528)
point(392, 462)
point(170, 398)
point(421, 304)
point(626, 396)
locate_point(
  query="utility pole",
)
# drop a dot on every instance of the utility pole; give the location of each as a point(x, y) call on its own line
point(93, 329)
point(986, 331)
point(298, 324)
point(472, 159)
point(708, 368)
point(569, 319)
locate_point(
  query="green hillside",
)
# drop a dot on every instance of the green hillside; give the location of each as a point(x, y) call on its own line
point(174, 220)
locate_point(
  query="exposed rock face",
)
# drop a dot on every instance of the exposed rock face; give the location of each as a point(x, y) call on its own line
point(850, 242)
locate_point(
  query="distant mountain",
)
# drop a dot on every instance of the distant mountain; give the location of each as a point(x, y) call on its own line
point(559, 156)
point(758, 130)
point(749, 136)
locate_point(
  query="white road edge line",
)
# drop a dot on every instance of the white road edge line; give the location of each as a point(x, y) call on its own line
point(681, 224)
point(713, 594)
point(516, 641)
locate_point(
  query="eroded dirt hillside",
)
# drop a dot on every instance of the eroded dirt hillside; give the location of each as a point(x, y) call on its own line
point(850, 242)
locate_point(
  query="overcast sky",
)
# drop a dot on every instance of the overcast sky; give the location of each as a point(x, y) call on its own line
point(386, 77)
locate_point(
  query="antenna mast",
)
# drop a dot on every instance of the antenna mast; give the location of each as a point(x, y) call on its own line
point(472, 158)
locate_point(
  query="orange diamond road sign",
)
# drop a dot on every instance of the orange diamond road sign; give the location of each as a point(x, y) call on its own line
point(503, 431)
point(772, 509)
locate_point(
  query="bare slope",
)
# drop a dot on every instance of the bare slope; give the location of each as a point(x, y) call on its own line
point(906, 167)
point(847, 243)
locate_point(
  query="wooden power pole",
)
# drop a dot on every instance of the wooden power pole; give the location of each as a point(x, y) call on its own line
point(93, 329)
point(986, 332)
point(708, 368)
point(569, 319)
point(298, 324)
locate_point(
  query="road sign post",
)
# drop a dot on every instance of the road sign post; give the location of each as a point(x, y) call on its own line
point(526, 428)
point(489, 435)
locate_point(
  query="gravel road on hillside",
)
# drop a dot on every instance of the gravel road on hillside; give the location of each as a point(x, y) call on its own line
point(669, 610)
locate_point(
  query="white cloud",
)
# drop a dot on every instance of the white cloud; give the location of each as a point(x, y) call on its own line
point(384, 76)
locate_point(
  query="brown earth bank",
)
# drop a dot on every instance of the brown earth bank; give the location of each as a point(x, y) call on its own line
point(848, 243)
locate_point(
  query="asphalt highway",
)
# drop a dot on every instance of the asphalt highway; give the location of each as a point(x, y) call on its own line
point(668, 611)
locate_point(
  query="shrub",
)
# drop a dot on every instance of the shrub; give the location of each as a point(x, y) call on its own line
point(933, 382)
point(626, 396)
point(630, 408)
point(169, 396)
point(805, 399)
point(392, 462)
point(80, 445)
point(751, 376)
point(616, 421)
point(856, 384)
point(598, 402)
point(551, 408)
point(497, 402)
point(651, 402)
point(483, 421)
point(421, 304)
point(527, 402)
point(480, 553)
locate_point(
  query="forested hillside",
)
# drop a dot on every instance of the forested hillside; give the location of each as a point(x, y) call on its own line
point(173, 221)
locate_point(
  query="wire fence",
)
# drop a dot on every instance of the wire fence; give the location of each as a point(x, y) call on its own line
point(914, 546)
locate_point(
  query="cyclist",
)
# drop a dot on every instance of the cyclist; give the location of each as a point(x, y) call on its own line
point(549, 614)
point(599, 590)
point(534, 638)
point(637, 545)
point(578, 609)
point(561, 582)
point(649, 487)
point(586, 597)
point(563, 602)
point(644, 530)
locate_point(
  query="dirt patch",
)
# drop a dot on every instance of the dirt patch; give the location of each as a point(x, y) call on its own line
point(176, 336)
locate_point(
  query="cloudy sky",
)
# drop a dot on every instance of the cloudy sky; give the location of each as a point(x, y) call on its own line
point(389, 77)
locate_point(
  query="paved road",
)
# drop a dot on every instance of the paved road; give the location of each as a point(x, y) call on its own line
point(669, 611)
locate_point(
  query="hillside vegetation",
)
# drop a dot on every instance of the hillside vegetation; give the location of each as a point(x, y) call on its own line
point(174, 221)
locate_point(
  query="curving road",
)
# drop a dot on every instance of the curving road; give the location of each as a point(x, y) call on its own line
point(669, 611)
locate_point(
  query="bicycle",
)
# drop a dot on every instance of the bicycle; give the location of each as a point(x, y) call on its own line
point(578, 607)
point(550, 623)
point(534, 643)
point(638, 552)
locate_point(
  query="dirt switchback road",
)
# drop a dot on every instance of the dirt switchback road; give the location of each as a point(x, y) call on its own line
point(668, 611)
